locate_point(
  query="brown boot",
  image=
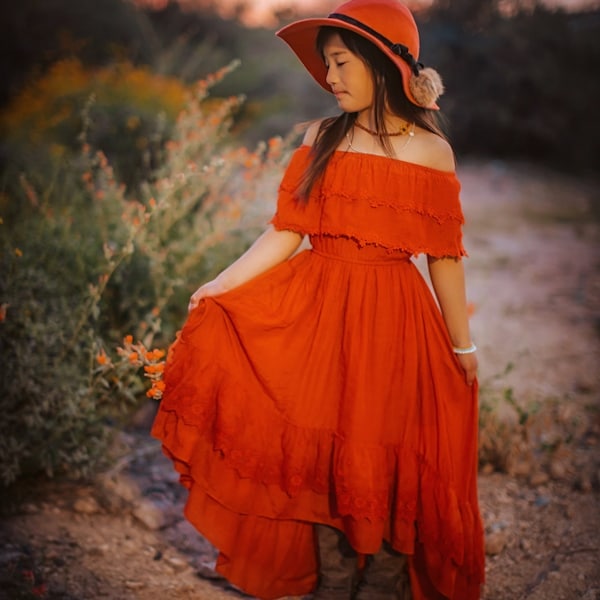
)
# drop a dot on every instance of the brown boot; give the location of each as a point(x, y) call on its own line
point(337, 565)
point(385, 577)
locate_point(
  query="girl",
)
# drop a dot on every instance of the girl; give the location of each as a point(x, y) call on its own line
point(320, 407)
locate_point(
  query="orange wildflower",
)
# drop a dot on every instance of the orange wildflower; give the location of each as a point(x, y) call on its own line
point(128, 339)
point(156, 390)
point(153, 369)
point(101, 358)
point(133, 357)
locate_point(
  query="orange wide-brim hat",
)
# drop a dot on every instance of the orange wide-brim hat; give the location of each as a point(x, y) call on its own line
point(389, 25)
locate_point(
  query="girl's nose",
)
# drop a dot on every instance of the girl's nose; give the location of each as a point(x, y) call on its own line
point(331, 78)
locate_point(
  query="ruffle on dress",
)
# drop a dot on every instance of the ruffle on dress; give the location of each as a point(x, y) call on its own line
point(375, 199)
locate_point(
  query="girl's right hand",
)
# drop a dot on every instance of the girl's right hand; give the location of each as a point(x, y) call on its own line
point(208, 290)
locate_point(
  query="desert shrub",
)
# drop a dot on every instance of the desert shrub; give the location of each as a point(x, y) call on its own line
point(128, 114)
point(93, 278)
point(527, 437)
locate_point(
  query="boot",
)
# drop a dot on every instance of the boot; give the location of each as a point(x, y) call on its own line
point(337, 565)
point(385, 577)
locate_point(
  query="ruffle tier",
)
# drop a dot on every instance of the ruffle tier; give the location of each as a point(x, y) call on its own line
point(373, 199)
point(326, 391)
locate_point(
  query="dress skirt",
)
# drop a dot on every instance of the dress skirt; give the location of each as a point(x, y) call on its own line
point(326, 391)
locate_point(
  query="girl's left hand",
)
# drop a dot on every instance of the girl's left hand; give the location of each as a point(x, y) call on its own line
point(469, 364)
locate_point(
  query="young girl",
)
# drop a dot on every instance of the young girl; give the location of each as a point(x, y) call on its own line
point(320, 407)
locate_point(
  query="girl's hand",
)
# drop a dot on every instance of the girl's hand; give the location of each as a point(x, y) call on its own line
point(469, 364)
point(208, 290)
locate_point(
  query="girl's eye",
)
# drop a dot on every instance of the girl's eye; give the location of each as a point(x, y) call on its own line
point(339, 64)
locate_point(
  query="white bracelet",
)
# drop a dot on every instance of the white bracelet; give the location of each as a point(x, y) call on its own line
point(472, 348)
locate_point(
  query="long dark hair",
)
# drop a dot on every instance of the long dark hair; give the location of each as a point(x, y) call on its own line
point(389, 94)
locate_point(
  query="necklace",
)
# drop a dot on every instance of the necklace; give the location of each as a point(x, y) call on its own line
point(411, 135)
point(349, 139)
point(407, 128)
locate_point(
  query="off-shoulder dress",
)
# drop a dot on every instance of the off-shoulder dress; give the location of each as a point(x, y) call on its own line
point(326, 391)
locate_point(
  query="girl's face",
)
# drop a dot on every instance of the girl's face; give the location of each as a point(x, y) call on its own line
point(348, 76)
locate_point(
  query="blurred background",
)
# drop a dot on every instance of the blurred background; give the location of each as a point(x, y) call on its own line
point(523, 72)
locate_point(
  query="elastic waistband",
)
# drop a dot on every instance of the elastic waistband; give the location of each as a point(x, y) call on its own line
point(386, 262)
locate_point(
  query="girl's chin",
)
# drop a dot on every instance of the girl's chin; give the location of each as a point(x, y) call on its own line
point(350, 107)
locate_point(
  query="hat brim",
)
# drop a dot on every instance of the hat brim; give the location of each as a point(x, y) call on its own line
point(301, 37)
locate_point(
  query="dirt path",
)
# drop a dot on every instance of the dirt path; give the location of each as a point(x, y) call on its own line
point(535, 285)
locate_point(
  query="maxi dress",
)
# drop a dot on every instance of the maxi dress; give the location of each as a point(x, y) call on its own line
point(326, 390)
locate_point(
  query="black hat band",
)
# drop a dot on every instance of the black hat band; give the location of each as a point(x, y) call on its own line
point(398, 49)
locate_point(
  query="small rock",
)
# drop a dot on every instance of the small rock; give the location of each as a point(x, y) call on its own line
point(498, 526)
point(570, 511)
point(177, 563)
point(541, 501)
point(521, 468)
point(495, 542)
point(154, 514)
point(525, 545)
point(206, 570)
point(487, 469)
point(538, 478)
point(554, 574)
point(117, 491)
point(135, 585)
point(585, 483)
point(86, 506)
point(558, 470)
point(101, 550)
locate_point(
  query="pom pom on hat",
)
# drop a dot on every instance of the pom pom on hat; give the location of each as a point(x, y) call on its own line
point(426, 87)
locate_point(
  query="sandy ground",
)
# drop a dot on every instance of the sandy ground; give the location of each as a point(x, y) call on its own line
point(534, 283)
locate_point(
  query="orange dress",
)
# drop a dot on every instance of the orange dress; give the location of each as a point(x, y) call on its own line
point(326, 391)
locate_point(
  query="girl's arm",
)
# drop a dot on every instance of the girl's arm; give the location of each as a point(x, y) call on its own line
point(270, 249)
point(448, 280)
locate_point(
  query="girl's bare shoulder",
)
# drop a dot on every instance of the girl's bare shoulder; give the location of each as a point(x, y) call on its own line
point(311, 130)
point(430, 150)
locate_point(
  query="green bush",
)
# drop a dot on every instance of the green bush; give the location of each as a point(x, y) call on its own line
point(126, 111)
point(86, 268)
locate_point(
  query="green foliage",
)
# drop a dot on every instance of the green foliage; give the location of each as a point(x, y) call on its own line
point(128, 114)
point(86, 267)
